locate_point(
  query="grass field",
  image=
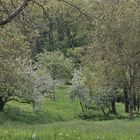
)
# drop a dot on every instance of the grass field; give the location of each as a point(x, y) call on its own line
point(58, 120)
point(73, 130)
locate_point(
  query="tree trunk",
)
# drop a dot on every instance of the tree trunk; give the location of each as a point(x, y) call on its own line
point(126, 100)
point(131, 102)
point(113, 107)
point(50, 32)
point(131, 107)
point(138, 103)
point(135, 103)
point(82, 107)
point(54, 98)
point(33, 104)
point(2, 103)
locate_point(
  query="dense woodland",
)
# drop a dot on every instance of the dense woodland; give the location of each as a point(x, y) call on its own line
point(93, 46)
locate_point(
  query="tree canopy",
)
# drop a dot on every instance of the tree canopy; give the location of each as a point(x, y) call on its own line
point(54, 37)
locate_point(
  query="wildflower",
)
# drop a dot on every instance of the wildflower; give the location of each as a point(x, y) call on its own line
point(34, 135)
point(74, 131)
point(98, 137)
point(78, 138)
point(67, 135)
point(6, 132)
point(60, 134)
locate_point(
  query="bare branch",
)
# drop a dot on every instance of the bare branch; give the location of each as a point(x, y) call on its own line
point(15, 13)
point(43, 9)
point(76, 7)
point(18, 100)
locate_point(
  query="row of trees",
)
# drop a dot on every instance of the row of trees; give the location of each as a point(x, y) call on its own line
point(111, 63)
point(23, 79)
point(101, 38)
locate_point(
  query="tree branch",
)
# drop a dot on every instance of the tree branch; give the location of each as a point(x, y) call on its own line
point(15, 13)
point(14, 99)
point(76, 7)
point(43, 9)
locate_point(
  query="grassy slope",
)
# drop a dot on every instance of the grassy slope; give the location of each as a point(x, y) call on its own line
point(18, 122)
point(63, 109)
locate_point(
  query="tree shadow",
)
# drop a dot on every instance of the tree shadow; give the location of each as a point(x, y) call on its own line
point(15, 114)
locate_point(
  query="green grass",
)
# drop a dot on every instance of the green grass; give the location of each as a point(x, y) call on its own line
point(63, 109)
point(74, 130)
point(58, 120)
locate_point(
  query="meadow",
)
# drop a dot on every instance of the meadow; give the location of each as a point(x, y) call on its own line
point(59, 120)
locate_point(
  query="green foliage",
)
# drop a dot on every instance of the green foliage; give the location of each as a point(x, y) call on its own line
point(14, 57)
point(18, 80)
point(76, 54)
point(79, 90)
point(104, 98)
point(108, 30)
point(55, 64)
point(113, 58)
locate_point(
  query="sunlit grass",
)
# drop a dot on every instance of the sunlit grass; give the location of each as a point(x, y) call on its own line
point(74, 130)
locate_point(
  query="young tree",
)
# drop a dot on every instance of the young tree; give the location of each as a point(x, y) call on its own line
point(105, 100)
point(55, 65)
point(24, 85)
point(78, 90)
point(18, 80)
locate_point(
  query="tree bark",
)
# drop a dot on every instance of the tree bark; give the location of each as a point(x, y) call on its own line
point(131, 101)
point(2, 103)
point(15, 13)
point(54, 98)
point(82, 107)
point(131, 107)
point(138, 103)
point(135, 103)
point(113, 108)
point(126, 100)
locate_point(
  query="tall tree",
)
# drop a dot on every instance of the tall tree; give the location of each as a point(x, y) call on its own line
point(115, 52)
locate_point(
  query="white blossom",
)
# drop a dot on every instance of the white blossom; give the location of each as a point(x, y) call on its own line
point(34, 135)
point(78, 88)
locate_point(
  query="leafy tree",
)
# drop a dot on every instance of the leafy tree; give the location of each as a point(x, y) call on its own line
point(18, 80)
point(41, 85)
point(76, 55)
point(13, 85)
point(11, 9)
point(24, 85)
point(105, 100)
point(55, 64)
point(115, 52)
point(78, 90)
point(62, 29)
